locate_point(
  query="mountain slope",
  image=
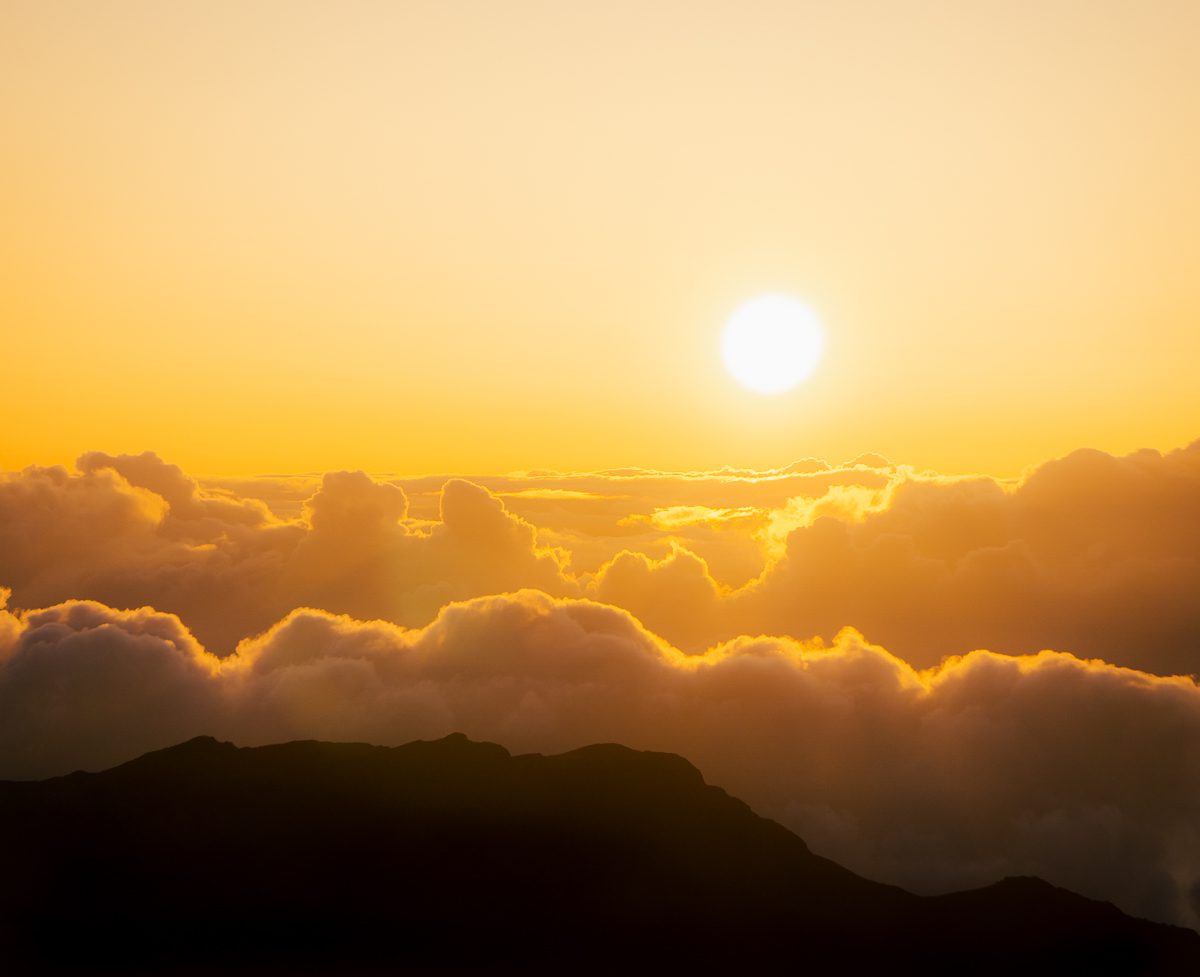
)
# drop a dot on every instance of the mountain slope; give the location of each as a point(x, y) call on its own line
point(451, 855)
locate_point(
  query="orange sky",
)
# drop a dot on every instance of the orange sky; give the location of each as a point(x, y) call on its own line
point(381, 344)
point(483, 237)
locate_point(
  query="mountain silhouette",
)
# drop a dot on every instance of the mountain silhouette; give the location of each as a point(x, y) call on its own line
point(454, 856)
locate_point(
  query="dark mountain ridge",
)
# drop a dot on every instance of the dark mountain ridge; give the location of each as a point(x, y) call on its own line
point(455, 856)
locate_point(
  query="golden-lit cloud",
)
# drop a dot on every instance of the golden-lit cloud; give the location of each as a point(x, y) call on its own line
point(1079, 771)
point(553, 494)
point(232, 556)
point(1089, 553)
point(597, 515)
point(658, 591)
point(230, 568)
point(347, 606)
point(260, 239)
point(678, 516)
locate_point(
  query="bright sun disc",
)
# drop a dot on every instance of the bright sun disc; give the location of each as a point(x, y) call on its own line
point(771, 343)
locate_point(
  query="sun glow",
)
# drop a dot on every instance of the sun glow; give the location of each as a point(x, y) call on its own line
point(771, 344)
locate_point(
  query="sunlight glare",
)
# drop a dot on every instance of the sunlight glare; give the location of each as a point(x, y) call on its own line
point(771, 343)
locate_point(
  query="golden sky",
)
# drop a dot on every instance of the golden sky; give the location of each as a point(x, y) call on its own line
point(361, 370)
point(484, 237)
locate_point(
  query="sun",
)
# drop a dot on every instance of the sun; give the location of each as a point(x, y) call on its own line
point(771, 343)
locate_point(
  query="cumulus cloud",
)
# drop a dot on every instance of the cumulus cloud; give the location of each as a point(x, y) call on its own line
point(1089, 553)
point(675, 595)
point(717, 515)
point(190, 511)
point(131, 530)
point(1079, 771)
point(381, 609)
point(10, 626)
point(82, 684)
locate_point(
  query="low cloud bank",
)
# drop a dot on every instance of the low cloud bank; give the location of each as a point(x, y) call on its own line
point(1082, 772)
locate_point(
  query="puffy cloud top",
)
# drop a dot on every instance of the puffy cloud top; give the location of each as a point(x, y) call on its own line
point(988, 765)
point(368, 609)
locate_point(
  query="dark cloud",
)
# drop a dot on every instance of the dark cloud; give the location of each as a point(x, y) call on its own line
point(83, 685)
point(1081, 772)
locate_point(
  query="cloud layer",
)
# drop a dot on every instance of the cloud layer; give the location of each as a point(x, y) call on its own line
point(1092, 554)
point(134, 530)
point(1081, 772)
point(546, 611)
point(1089, 553)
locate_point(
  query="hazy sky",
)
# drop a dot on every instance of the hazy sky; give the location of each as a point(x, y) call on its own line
point(488, 236)
point(380, 344)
